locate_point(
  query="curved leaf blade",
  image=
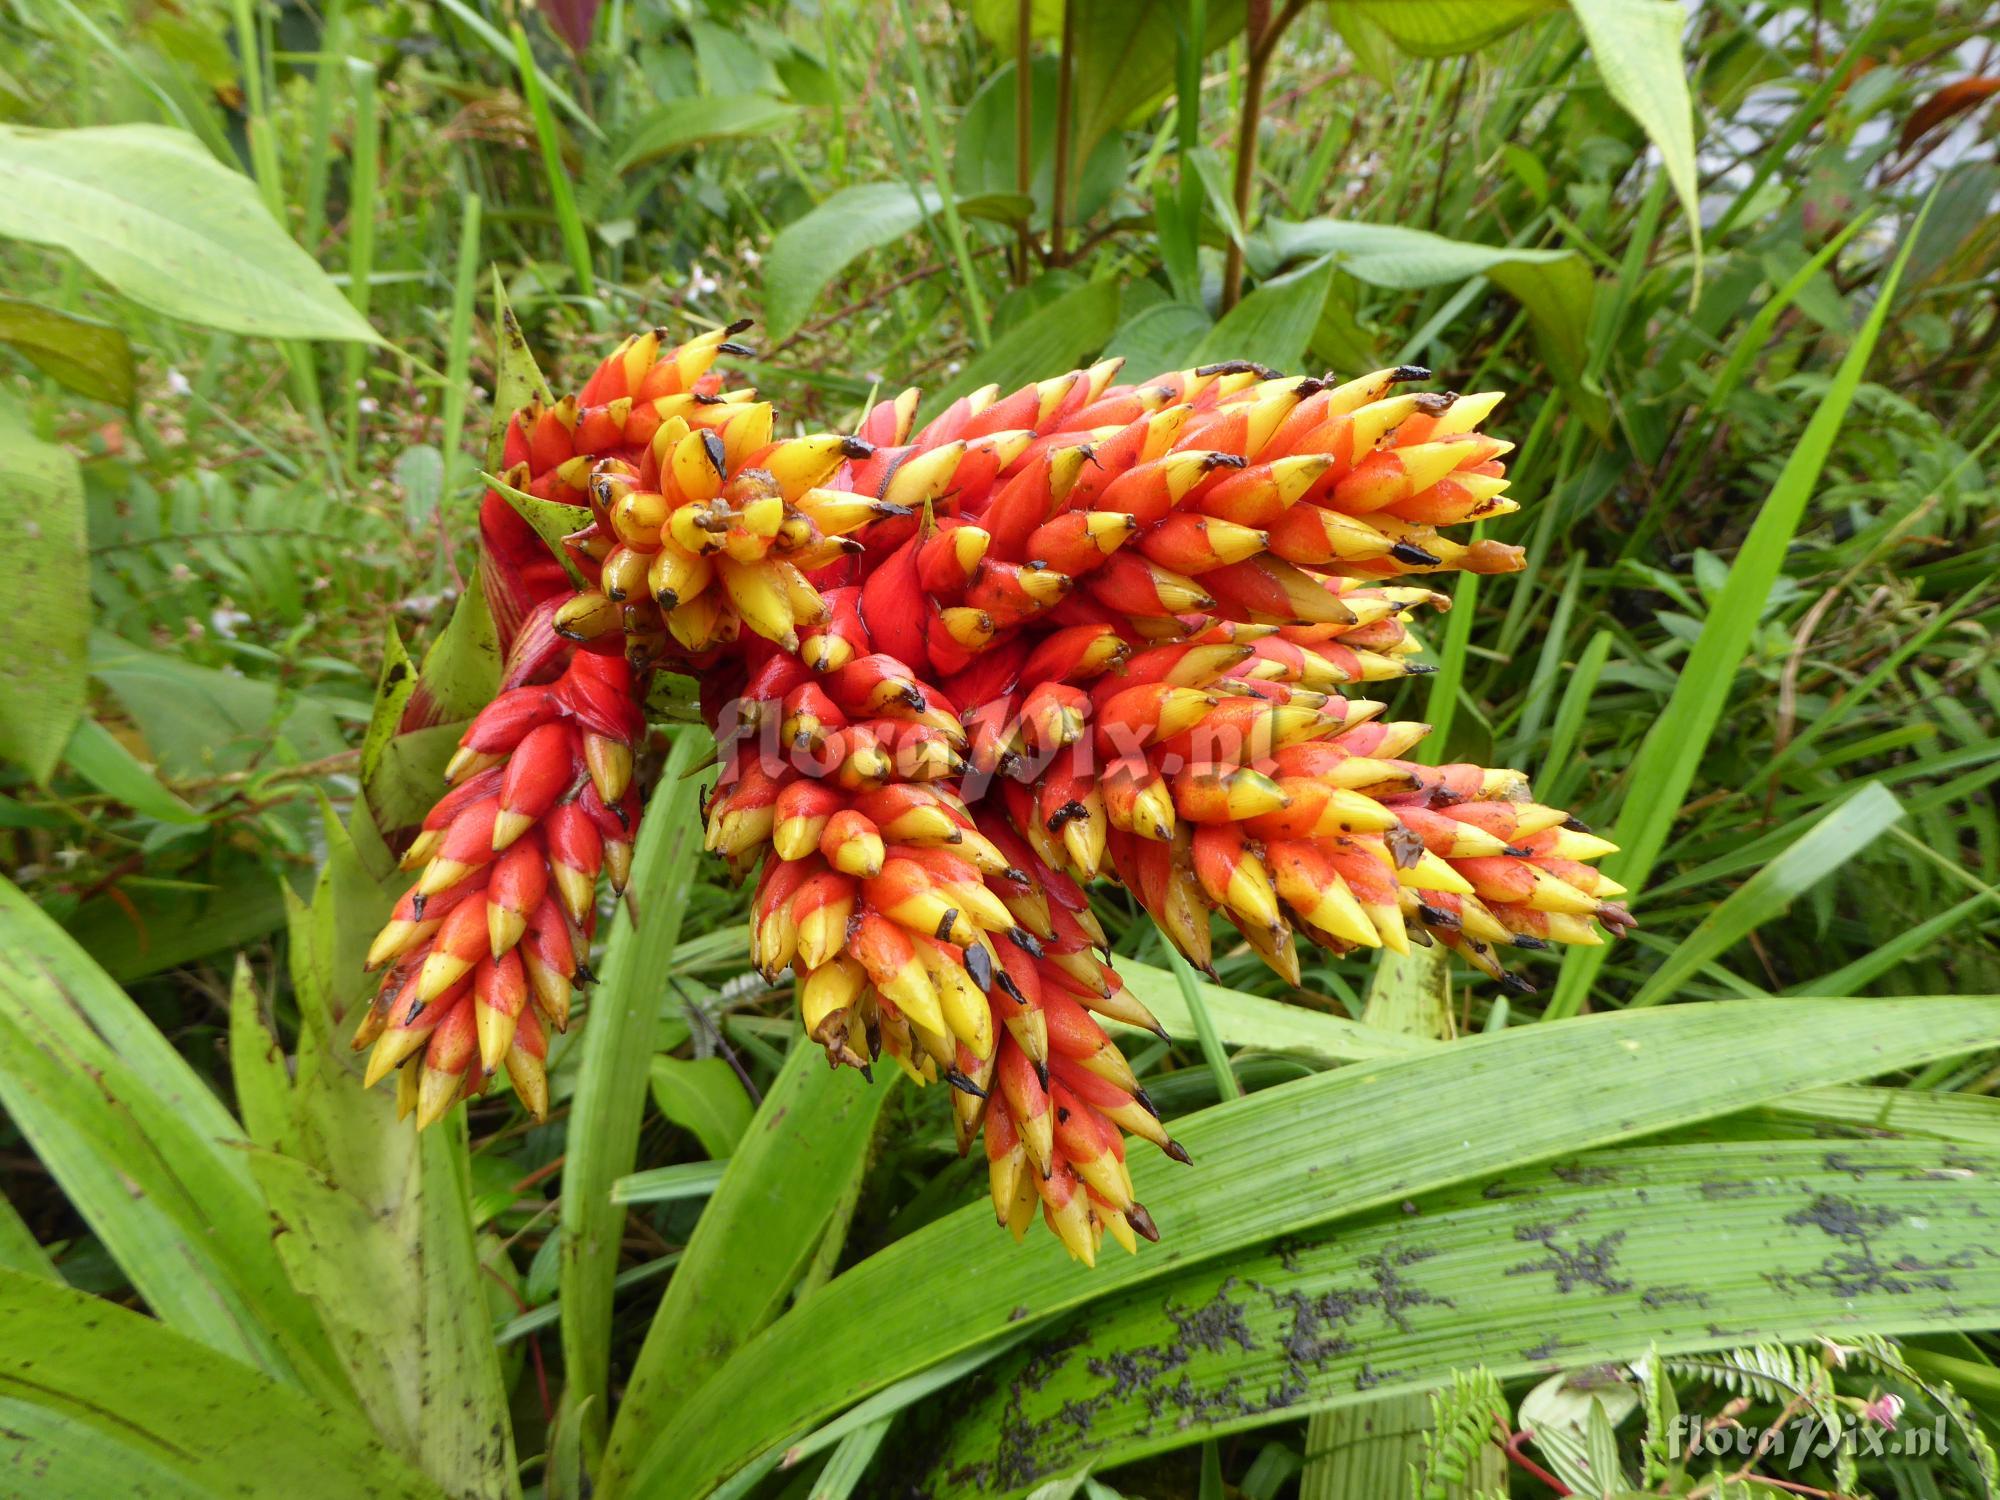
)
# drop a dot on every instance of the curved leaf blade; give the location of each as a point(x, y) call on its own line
point(171, 228)
point(1522, 1095)
point(1531, 1272)
point(92, 358)
point(98, 1401)
point(617, 1046)
point(794, 1168)
point(1637, 47)
point(809, 252)
point(681, 123)
point(1444, 28)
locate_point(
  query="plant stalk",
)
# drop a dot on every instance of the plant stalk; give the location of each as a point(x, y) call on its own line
point(1024, 133)
point(1261, 33)
point(1065, 80)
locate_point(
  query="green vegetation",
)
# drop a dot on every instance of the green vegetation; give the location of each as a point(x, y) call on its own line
point(1742, 280)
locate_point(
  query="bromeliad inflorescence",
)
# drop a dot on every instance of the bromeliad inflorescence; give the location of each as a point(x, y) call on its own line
point(1083, 631)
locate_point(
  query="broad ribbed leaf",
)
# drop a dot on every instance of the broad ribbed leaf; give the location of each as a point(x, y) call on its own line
point(1637, 47)
point(157, 216)
point(98, 1401)
point(1675, 1247)
point(681, 123)
point(1274, 323)
point(1160, 338)
point(809, 252)
point(1445, 28)
point(1126, 54)
point(1517, 1097)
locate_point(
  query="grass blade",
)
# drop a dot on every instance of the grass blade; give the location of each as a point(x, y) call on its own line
point(1823, 849)
point(675, 1184)
point(850, 1461)
point(1212, 1050)
point(1668, 760)
point(575, 239)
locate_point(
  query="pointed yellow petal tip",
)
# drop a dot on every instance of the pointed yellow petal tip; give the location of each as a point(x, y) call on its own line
point(437, 1091)
point(441, 875)
point(390, 1052)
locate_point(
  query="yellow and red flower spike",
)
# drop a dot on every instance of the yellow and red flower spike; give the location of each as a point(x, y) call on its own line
point(1080, 630)
point(505, 899)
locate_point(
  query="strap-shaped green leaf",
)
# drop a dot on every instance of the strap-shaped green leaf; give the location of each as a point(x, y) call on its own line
point(1679, 1248)
point(147, 1155)
point(780, 1198)
point(97, 1401)
point(617, 1047)
point(1350, 1140)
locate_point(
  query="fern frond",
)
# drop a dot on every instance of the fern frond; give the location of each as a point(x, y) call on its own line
point(1885, 1356)
point(1463, 1418)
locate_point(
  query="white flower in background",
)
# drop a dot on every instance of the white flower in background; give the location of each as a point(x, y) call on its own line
point(177, 383)
point(700, 283)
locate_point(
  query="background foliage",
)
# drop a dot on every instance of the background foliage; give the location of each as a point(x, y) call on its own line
point(1736, 262)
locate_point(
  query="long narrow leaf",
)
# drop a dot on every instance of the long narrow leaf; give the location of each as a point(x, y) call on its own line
point(1517, 1096)
point(372, 1220)
point(1533, 1272)
point(611, 1086)
point(145, 1153)
point(1252, 1021)
point(1666, 764)
point(1823, 849)
point(804, 1149)
point(98, 1401)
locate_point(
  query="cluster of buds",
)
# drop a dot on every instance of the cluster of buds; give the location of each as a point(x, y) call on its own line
point(1082, 631)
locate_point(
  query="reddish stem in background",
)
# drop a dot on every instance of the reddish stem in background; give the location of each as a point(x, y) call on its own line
point(1529, 1466)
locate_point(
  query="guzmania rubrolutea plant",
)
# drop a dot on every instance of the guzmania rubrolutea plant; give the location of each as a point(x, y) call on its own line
point(1087, 630)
